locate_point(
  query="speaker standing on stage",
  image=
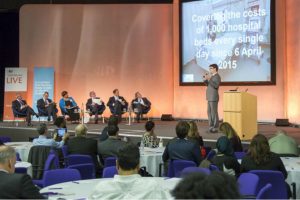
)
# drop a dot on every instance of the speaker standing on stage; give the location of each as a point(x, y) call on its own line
point(212, 81)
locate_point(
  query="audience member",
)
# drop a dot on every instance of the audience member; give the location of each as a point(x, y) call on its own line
point(69, 107)
point(283, 144)
point(117, 104)
point(60, 122)
point(95, 106)
point(193, 134)
point(111, 146)
point(140, 105)
point(180, 148)
point(47, 106)
point(42, 140)
point(128, 184)
point(231, 134)
point(14, 186)
point(21, 106)
point(149, 139)
point(80, 144)
point(225, 159)
point(112, 121)
point(217, 185)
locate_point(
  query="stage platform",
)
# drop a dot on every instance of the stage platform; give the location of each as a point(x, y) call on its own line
point(164, 129)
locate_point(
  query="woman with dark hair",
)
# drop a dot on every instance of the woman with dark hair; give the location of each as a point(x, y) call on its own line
point(231, 134)
point(69, 107)
point(259, 157)
point(225, 159)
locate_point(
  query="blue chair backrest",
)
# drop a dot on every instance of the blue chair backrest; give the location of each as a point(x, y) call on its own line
point(109, 172)
point(276, 178)
point(18, 114)
point(213, 168)
point(239, 154)
point(264, 192)
point(87, 171)
point(188, 170)
point(211, 154)
point(179, 165)
point(248, 183)
point(64, 150)
point(52, 161)
point(5, 139)
point(55, 176)
point(110, 161)
point(21, 170)
point(74, 159)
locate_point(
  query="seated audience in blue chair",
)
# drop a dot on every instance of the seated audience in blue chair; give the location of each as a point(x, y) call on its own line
point(231, 134)
point(69, 107)
point(217, 185)
point(46, 107)
point(225, 159)
point(42, 140)
point(117, 104)
point(13, 185)
point(140, 105)
point(112, 121)
point(21, 109)
point(95, 106)
point(128, 184)
point(149, 138)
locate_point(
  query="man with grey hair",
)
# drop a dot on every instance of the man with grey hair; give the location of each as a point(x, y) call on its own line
point(14, 186)
point(42, 140)
point(80, 144)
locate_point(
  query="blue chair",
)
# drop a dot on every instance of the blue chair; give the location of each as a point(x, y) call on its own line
point(18, 115)
point(248, 183)
point(189, 170)
point(264, 192)
point(178, 166)
point(21, 170)
point(239, 154)
point(109, 172)
point(74, 159)
point(55, 176)
point(276, 178)
point(64, 150)
point(87, 171)
point(18, 157)
point(213, 168)
point(110, 161)
point(211, 154)
point(5, 139)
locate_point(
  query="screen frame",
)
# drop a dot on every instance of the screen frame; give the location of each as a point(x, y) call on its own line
point(235, 83)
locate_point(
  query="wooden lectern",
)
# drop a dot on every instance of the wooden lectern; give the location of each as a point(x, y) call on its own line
point(240, 110)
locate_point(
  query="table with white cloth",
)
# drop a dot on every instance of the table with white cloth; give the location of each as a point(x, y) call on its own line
point(22, 148)
point(26, 165)
point(151, 158)
point(82, 189)
point(292, 166)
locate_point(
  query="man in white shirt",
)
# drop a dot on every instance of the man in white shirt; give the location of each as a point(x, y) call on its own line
point(128, 184)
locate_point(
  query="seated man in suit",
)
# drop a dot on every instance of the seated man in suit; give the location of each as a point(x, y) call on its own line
point(95, 106)
point(14, 186)
point(140, 105)
point(69, 107)
point(21, 106)
point(111, 146)
point(47, 106)
point(180, 148)
point(80, 144)
point(117, 104)
point(128, 184)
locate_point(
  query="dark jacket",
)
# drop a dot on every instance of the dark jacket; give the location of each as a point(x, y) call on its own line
point(221, 160)
point(236, 143)
point(37, 157)
point(110, 148)
point(17, 105)
point(17, 186)
point(42, 105)
point(182, 149)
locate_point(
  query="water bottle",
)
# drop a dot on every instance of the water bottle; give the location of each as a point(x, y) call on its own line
point(142, 146)
point(161, 144)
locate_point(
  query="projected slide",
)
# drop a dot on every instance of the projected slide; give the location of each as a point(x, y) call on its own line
point(235, 34)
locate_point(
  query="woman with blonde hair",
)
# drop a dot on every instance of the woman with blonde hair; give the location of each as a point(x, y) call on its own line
point(193, 134)
point(231, 134)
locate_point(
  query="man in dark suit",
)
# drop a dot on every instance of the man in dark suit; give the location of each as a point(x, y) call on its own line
point(111, 146)
point(47, 106)
point(21, 106)
point(95, 106)
point(117, 104)
point(140, 105)
point(212, 81)
point(14, 186)
point(82, 145)
point(180, 148)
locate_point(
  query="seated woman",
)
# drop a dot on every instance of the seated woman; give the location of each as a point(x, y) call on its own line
point(231, 134)
point(149, 139)
point(69, 107)
point(193, 135)
point(140, 105)
point(225, 159)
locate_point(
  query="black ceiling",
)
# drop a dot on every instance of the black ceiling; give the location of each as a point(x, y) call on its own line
point(16, 4)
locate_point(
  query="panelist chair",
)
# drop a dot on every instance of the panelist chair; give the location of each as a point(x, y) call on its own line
point(43, 115)
point(100, 114)
point(145, 112)
point(18, 116)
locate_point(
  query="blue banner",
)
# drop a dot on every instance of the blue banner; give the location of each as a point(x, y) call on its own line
point(43, 81)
